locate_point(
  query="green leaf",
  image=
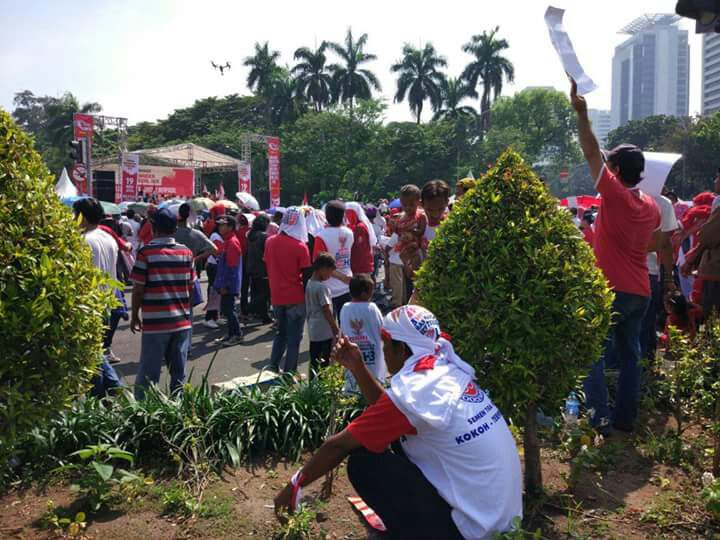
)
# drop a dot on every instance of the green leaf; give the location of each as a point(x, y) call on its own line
point(104, 470)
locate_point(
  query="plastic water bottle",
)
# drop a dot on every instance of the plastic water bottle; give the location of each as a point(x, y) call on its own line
point(572, 409)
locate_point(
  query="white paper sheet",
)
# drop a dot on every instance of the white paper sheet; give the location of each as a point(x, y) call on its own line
point(657, 169)
point(566, 52)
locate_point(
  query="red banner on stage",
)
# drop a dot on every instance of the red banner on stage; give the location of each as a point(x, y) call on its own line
point(129, 171)
point(244, 177)
point(82, 129)
point(273, 153)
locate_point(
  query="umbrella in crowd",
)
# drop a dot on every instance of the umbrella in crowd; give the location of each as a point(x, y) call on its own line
point(139, 207)
point(227, 204)
point(395, 204)
point(247, 200)
point(201, 203)
point(110, 209)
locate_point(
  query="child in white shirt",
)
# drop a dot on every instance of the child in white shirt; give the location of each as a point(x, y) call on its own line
point(360, 322)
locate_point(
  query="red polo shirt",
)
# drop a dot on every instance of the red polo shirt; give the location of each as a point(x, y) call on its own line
point(623, 231)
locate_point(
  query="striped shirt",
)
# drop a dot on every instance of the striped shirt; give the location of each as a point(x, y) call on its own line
point(165, 268)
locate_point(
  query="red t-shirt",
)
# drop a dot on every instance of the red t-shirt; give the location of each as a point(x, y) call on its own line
point(380, 424)
point(623, 231)
point(285, 258)
point(361, 257)
point(146, 233)
point(589, 236)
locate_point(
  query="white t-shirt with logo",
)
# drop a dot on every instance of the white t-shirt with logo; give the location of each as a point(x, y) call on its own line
point(104, 251)
point(473, 463)
point(361, 322)
point(337, 241)
point(668, 223)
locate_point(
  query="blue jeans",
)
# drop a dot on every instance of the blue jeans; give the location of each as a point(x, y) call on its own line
point(291, 321)
point(624, 340)
point(170, 348)
point(648, 336)
point(227, 308)
point(105, 380)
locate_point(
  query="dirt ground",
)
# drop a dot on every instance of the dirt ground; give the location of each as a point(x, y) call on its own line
point(632, 498)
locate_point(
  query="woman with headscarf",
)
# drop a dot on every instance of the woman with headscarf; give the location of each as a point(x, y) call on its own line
point(288, 263)
point(364, 239)
point(455, 472)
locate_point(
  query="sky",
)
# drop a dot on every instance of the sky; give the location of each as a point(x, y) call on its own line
point(141, 59)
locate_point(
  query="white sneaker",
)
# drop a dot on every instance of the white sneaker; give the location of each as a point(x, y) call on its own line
point(211, 324)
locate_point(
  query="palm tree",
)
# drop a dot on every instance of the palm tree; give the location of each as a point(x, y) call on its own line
point(453, 92)
point(350, 81)
point(262, 67)
point(490, 67)
point(314, 81)
point(419, 77)
point(286, 103)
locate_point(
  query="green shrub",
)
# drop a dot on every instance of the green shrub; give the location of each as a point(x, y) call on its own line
point(51, 306)
point(198, 426)
point(512, 281)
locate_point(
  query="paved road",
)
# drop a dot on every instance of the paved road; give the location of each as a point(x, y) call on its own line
point(240, 360)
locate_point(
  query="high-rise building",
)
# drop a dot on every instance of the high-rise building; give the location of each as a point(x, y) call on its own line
point(711, 73)
point(601, 124)
point(651, 70)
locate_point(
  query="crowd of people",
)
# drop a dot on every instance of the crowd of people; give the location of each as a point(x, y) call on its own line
point(347, 272)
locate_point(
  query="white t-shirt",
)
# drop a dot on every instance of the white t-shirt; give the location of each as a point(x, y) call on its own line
point(379, 224)
point(430, 231)
point(360, 322)
point(473, 463)
point(214, 238)
point(133, 227)
point(338, 242)
point(394, 254)
point(668, 223)
point(104, 251)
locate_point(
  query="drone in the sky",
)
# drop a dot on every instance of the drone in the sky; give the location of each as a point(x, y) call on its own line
point(221, 67)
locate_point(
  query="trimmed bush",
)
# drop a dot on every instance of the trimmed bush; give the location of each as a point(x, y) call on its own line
point(512, 281)
point(51, 303)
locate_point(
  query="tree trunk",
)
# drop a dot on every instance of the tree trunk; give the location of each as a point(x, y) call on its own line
point(533, 470)
point(419, 113)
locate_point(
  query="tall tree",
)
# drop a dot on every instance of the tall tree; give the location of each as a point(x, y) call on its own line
point(262, 67)
point(286, 103)
point(489, 67)
point(350, 81)
point(419, 77)
point(49, 120)
point(453, 92)
point(314, 81)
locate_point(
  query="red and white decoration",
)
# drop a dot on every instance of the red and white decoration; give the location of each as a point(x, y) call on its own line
point(273, 153)
point(244, 177)
point(129, 170)
point(82, 129)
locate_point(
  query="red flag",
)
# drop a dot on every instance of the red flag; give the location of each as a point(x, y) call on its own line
point(305, 201)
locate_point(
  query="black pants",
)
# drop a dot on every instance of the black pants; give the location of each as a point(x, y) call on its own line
point(260, 305)
point(338, 303)
point(211, 269)
point(244, 289)
point(319, 355)
point(711, 298)
point(397, 490)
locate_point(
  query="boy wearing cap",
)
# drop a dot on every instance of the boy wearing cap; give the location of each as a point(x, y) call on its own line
point(626, 229)
point(227, 279)
point(163, 282)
